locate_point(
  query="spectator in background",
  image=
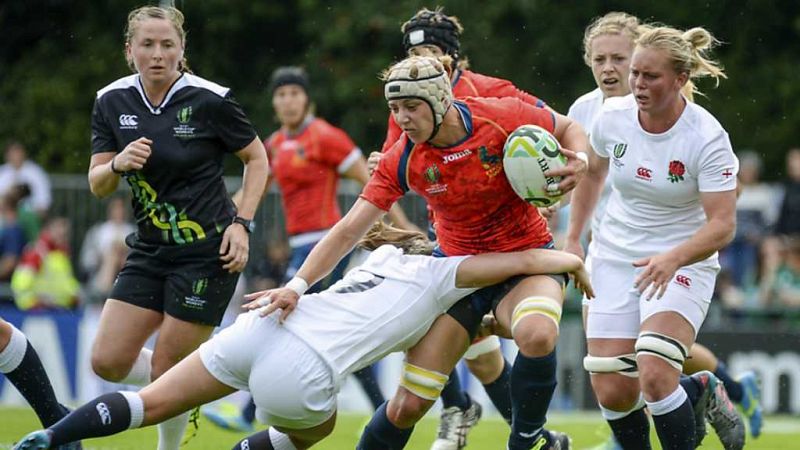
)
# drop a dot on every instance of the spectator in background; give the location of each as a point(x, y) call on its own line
point(788, 224)
point(756, 213)
point(104, 251)
point(781, 273)
point(789, 218)
point(44, 276)
point(18, 169)
point(28, 219)
point(12, 237)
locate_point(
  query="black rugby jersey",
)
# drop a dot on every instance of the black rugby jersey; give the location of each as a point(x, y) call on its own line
point(179, 196)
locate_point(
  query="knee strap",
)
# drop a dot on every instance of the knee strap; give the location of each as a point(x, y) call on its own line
point(622, 364)
point(423, 383)
point(544, 306)
point(662, 346)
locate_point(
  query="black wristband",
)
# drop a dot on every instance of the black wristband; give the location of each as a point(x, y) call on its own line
point(114, 169)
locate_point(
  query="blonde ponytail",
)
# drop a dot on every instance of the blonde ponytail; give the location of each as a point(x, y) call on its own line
point(688, 51)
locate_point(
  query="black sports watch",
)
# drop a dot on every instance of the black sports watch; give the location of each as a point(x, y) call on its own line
point(248, 225)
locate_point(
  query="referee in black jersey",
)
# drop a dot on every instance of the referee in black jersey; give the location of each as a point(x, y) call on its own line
point(166, 131)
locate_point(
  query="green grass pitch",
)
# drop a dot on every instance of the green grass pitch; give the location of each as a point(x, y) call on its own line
point(586, 429)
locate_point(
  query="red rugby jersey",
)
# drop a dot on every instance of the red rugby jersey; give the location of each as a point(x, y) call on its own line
point(465, 186)
point(307, 168)
point(470, 84)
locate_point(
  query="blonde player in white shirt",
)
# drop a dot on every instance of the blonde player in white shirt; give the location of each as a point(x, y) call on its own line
point(608, 45)
point(654, 261)
point(294, 365)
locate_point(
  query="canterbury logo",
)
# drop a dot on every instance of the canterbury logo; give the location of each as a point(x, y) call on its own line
point(128, 120)
point(683, 280)
point(644, 173)
point(105, 414)
point(245, 444)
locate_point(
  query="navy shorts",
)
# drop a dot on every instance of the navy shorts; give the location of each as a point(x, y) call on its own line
point(185, 281)
point(469, 311)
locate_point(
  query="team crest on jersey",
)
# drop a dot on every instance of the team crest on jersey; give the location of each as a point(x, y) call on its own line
point(491, 163)
point(184, 116)
point(676, 171)
point(432, 176)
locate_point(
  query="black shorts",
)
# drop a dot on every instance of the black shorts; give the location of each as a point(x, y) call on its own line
point(469, 311)
point(187, 281)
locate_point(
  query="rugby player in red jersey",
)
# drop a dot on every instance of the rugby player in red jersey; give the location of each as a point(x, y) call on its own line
point(451, 155)
point(433, 33)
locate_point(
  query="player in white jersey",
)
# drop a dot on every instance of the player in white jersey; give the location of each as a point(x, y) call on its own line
point(608, 45)
point(654, 263)
point(294, 366)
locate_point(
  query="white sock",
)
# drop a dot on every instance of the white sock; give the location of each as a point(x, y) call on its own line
point(136, 404)
point(170, 432)
point(669, 403)
point(140, 372)
point(280, 441)
point(11, 356)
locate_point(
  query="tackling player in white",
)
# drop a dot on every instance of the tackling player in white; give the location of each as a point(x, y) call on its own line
point(294, 365)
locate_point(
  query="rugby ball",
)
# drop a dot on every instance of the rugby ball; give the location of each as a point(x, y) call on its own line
point(529, 152)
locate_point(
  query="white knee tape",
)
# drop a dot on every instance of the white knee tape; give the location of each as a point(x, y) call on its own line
point(543, 306)
point(482, 347)
point(622, 364)
point(423, 383)
point(616, 415)
point(662, 346)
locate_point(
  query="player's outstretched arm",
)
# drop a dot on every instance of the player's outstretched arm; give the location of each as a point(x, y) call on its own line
point(320, 262)
point(493, 268)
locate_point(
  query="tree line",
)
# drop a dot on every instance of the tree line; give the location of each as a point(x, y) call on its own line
point(56, 54)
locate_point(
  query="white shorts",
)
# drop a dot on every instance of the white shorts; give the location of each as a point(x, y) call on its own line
point(291, 385)
point(482, 346)
point(618, 310)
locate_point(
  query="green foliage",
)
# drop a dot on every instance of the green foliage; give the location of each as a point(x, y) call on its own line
point(56, 55)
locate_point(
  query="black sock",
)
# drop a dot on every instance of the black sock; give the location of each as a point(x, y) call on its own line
point(632, 431)
point(106, 415)
point(499, 392)
point(533, 381)
point(32, 382)
point(676, 428)
point(381, 434)
point(734, 388)
point(452, 394)
point(366, 377)
point(249, 411)
point(692, 387)
point(258, 441)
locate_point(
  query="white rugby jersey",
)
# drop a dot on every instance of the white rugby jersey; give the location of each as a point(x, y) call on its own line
point(382, 306)
point(657, 178)
point(583, 111)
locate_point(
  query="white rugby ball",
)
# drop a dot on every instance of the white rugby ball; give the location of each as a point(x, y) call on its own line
point(529, 152)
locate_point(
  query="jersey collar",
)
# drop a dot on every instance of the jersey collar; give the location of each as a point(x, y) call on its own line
point(306, 122)
point(458, 73)
point(177, 85)
point(466, 118)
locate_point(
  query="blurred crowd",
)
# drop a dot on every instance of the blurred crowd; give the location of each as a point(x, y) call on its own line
point(760, 268)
